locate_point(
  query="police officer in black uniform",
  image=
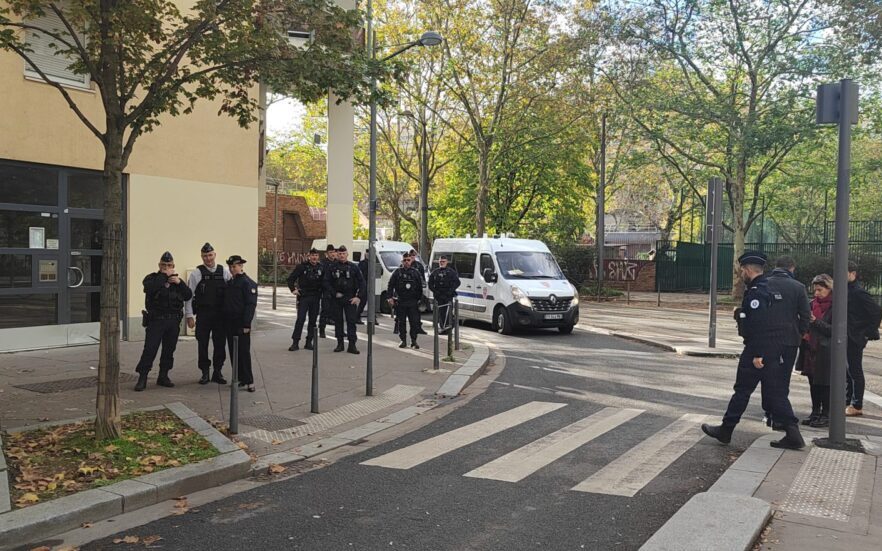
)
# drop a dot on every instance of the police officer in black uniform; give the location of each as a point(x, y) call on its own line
point(208, 283)
point(345, 283)
point(405, 291)
point(327, 300)
point(443, 282)
point(422, 269)
point(240, 304)
point(306, 281)
point(763, 322)
point(164, 299)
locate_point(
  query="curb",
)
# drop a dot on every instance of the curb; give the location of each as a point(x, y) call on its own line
point(38, 522)
point(681, 350)
point(5, 497)
point(726, 516)
point(451, 388)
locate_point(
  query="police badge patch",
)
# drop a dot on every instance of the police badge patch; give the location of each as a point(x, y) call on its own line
point(754, 304)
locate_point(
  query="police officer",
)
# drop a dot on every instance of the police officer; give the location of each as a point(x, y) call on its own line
point(207, 305)
point(327, 300)
point(416, 263)
point(795, 301)
point(240, 304)
point(405, 291)
point(345, 283)
point(164, 299)
point(763, 322)
point(443, 282)
point(306, 281)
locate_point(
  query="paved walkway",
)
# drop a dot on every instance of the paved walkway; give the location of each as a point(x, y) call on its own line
point(64, 380)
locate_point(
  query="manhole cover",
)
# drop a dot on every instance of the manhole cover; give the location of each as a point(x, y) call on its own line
point(51, 387)
point(270, 422)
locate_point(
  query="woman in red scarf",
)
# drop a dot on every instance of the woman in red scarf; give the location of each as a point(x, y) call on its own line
point(815, 354)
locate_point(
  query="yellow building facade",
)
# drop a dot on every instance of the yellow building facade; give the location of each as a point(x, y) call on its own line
point(194, 179)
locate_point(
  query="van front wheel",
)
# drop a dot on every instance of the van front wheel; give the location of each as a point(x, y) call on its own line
point(501, 321)
point(565, 329)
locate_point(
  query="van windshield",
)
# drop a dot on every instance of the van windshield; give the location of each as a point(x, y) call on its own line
point(528, 265)
point(392, 259)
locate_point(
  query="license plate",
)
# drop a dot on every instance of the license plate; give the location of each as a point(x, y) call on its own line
point(554, 316)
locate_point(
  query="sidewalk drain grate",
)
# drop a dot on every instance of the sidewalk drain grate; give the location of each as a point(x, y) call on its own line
point(270, 422)
point(51, 387)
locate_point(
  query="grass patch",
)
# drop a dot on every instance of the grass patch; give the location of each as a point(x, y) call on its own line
point(52, 462)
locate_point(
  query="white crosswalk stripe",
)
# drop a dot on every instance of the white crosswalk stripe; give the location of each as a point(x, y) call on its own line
point(629, 473)
point(437, 446)
point(524, 461)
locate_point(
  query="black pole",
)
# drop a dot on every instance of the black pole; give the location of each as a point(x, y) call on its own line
point(456, 324)
point(275, 243)
point(234, 389)
point(314, 394)
point(437, 352)
point(601, 205)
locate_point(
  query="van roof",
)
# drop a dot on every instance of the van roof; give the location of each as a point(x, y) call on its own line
point(495, 244)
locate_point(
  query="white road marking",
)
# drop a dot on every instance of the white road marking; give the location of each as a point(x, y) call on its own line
point(524, 461)
point(629, 473)
point(418, 453)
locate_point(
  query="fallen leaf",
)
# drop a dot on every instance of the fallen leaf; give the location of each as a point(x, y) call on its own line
point(276, 442)
point(86, 525)
point(181, 502)
point(242, 445)
point(111, 448)
point(67, 548)
point(87, 470)
point(276, 469)
point(28, 499)
point(150, 540)
point(131, 539)
point(41, 548)
point(51, 486)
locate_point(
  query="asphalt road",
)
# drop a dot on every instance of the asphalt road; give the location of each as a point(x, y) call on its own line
point(649, 460)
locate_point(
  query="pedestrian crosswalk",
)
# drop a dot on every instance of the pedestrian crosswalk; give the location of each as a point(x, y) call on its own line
point(624, 476)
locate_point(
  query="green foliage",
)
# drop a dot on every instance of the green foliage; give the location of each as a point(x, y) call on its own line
point(576, 261)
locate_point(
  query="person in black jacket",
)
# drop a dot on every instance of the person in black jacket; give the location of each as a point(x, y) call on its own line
point(763, 323)
point(815, 353)
point(405, 290)
point(864, 316)
point(443, 282)
point(164, 297)
point(344, 282)
point(306, 281)
point(795, 300)
point(327, 300)
point(240, 304)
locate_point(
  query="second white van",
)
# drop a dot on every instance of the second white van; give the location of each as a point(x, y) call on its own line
point(510, 283)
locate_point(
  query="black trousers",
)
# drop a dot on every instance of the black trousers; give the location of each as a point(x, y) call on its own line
point(306, 305)
point(789, 356)
point(746, 380)
point(234, 329)
point(408, 314)
point(160, 332)
point(210, 328)
point(854, 384)
point(343, 310)
point(327, 310)
point(820, 398)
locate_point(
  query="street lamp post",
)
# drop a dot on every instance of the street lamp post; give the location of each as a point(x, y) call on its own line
point(275, 239)
point(428, 38)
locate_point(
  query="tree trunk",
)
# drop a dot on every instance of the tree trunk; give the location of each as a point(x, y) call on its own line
point(738, 231)
point(107, 420)
point(483, 190)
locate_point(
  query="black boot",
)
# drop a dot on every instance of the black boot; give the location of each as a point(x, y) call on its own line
point(216, 377)
point(308, 345)
point(720, 432)
point(142, 382)
point(811, 418)
point(414, 345)
point(778, 427)
point(820, 422)
point(205, 378)
point(163, 380)
point(403, 344)
point(339, 346)
point(295, 346)
point(352, 349)
point(421, 331)
point(322, 332)
point(791, 441)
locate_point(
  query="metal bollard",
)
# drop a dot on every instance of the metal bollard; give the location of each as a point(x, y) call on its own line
point(456, 324)
point(234, 389)
point(314, 395)
point(449, 328)
point(436, 364)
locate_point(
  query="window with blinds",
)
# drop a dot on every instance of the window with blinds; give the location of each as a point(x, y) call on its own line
point(47, 58)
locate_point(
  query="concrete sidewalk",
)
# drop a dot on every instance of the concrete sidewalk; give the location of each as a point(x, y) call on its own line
point(57, 384)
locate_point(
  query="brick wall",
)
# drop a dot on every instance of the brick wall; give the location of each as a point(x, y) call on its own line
point(312, 229)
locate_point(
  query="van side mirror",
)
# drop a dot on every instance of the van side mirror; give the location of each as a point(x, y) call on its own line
point(490, 276)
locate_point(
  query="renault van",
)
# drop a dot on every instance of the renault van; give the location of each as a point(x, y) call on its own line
point(510, 283)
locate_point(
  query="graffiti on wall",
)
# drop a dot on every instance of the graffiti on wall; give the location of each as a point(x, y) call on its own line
point(621, 270)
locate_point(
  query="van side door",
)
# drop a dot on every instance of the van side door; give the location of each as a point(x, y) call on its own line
point(464, 264)
point(485, 285)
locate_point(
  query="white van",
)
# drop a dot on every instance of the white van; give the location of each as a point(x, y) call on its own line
point(389, 255)
point(510, 282)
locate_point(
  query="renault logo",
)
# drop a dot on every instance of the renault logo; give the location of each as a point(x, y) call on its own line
point(553, 299)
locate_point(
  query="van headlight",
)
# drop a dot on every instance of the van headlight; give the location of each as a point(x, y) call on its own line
point(575, 296)
point(521, 297)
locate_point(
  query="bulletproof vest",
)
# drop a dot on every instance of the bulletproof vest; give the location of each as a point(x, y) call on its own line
point(311, 279)
point(409, 285)
point(443, 279)
point(343, 279)
point(210, 291)
point(766, 316)
point(167, 300)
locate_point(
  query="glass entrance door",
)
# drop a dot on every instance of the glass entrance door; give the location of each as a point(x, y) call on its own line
point(50, 255)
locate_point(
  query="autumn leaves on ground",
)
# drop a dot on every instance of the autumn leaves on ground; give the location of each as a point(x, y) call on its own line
point(53, 462)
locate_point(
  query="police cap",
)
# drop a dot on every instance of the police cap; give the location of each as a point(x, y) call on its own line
point(207, 248)
point(341, 249)
point(329, 248)
point(235, 259)
point(313, 251)
point(753, 257)
point(444, 257)
point(166, 257)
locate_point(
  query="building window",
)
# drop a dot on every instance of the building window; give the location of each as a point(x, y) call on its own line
point(46, 52)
